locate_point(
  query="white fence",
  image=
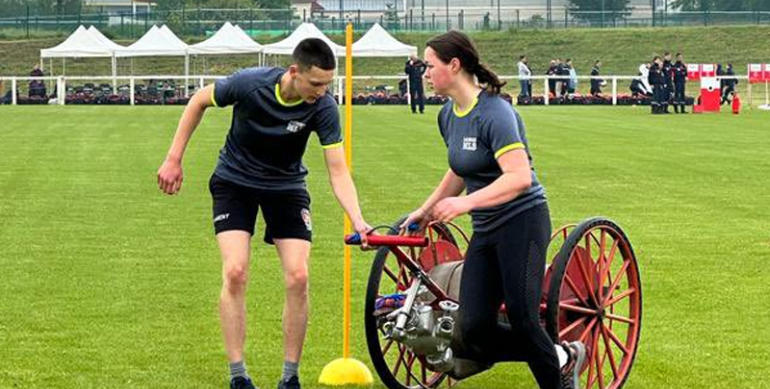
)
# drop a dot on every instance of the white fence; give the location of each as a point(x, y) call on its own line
point(128, 85)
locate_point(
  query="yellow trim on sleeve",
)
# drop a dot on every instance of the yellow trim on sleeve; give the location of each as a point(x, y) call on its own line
point(331, 146)
point(512, 146)
point(213, 89)
point(466, 112)
point(280, 100)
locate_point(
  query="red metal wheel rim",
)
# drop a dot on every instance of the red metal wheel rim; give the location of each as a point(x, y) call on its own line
point(600, 304)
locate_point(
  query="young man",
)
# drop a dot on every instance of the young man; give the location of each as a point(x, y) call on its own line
point(679, 71)
point(415, 68)
point(525, 78)
point(596, 81)
point(260, 166)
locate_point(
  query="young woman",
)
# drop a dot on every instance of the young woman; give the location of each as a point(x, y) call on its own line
point(489, 158)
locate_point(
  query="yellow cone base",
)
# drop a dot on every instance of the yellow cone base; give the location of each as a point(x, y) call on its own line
point(345, 371)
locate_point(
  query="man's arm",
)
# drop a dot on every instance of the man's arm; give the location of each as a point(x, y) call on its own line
point(170, 173)
point(343, 187)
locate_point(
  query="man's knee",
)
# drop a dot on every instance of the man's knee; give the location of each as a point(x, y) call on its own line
point(235, 278)
point(297, 281)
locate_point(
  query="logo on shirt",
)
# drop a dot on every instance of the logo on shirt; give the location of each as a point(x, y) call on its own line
point(469, 143)
point(295, 126)
point(306, 218)
point(221, 217)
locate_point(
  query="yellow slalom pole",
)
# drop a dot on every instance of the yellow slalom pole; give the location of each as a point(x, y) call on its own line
point(346, 370)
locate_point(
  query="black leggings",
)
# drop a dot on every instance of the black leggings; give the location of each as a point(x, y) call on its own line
point(507, 265)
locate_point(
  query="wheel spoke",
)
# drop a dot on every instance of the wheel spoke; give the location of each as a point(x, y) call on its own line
point(619, 318)
point(620, 296)
point(613, 365)
point(600, 370)
point(616, 339)
point(574, 308)
point(574, 288)
point(572, 326)
point(594, 352)
point(408, 366)
point(400, 359)
point(584, 275)
point(387, 347)
point(603, 276)
point(617, 280)
point(390, 274)
point(584, 336)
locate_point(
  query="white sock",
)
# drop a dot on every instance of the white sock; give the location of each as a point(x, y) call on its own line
point(563, 355)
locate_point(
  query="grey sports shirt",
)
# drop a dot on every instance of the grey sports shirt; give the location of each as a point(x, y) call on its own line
point(268, 136)
point(474, 140)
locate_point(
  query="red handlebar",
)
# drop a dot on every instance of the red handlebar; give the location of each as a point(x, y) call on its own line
point(388, 240)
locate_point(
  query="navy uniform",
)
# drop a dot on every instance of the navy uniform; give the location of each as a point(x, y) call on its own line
point(658, 83)
point(729, 85)
point(260, 165)
point(679, 71)
point(415, 69)
point(668, 79)
point(596, 83)
point(505, 260)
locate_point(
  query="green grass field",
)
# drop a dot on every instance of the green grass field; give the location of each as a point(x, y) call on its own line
point(105, 282)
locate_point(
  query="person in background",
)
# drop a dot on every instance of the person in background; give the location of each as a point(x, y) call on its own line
point(679, 71)
point(572, 81)
point(658, 83)
point(668, 79)
point(415, 68)
point(596, 82)
point(37, 87)
point(729, 85)
point(525, 78)
point(551, 73)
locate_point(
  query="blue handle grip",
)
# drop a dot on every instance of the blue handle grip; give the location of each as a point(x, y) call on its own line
point(354, 239)
point(414, 226)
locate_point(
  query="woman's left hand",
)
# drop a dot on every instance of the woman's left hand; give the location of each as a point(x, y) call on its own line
point(450, 208)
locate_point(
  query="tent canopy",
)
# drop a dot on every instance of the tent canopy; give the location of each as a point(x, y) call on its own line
point(379, 43)
point(106, 42)
point(304, 31)
point(81, 44)
point(228, 40)
point(157, 42)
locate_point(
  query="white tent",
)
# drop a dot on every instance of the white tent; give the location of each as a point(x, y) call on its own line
point(81, 44)
point(106, 42)
point(159, 42)
point(304, 31)
point(85, 43)
point(379, 43)
point(228, 40)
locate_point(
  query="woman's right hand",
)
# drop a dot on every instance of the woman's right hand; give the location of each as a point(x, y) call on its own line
point(419, 217)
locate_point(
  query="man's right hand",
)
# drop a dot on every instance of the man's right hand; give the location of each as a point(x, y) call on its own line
point(170, 177)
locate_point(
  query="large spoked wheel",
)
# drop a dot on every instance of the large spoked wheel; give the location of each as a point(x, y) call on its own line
point(397, 367)
point(594, 295)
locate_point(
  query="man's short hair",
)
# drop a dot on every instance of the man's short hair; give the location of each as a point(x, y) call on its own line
point(522, 57)
point(314, 52)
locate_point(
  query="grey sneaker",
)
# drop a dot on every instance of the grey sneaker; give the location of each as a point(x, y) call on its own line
point(570, 373)
point(241, 383)
point(291, 383)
